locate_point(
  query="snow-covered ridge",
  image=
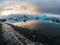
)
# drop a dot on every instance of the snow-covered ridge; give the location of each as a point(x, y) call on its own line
point(24, 17)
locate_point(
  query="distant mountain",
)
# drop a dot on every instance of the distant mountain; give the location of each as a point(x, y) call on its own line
point(25, 17)
point(19, 17)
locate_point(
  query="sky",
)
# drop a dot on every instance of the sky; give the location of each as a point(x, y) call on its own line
point(29, 7)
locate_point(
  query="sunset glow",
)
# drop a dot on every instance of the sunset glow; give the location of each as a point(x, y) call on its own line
point(22, 8)
point(6, 12)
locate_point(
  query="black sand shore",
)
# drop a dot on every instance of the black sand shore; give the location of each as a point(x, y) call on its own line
point(46, 33)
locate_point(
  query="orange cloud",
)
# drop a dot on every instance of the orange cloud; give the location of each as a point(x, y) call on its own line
point(26, 8)
point(22, 8)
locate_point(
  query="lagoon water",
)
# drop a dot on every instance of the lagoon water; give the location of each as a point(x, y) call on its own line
point(45, 31)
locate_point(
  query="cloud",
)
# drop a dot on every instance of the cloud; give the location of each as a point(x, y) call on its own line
point(32, 6)
point(49, 6)
point(23, 8)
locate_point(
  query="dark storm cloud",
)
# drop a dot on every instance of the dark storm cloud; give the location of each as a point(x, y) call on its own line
point(49, 6)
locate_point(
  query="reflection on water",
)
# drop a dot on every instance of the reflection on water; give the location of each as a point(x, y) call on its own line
point(27, 23)
point(37, 25)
